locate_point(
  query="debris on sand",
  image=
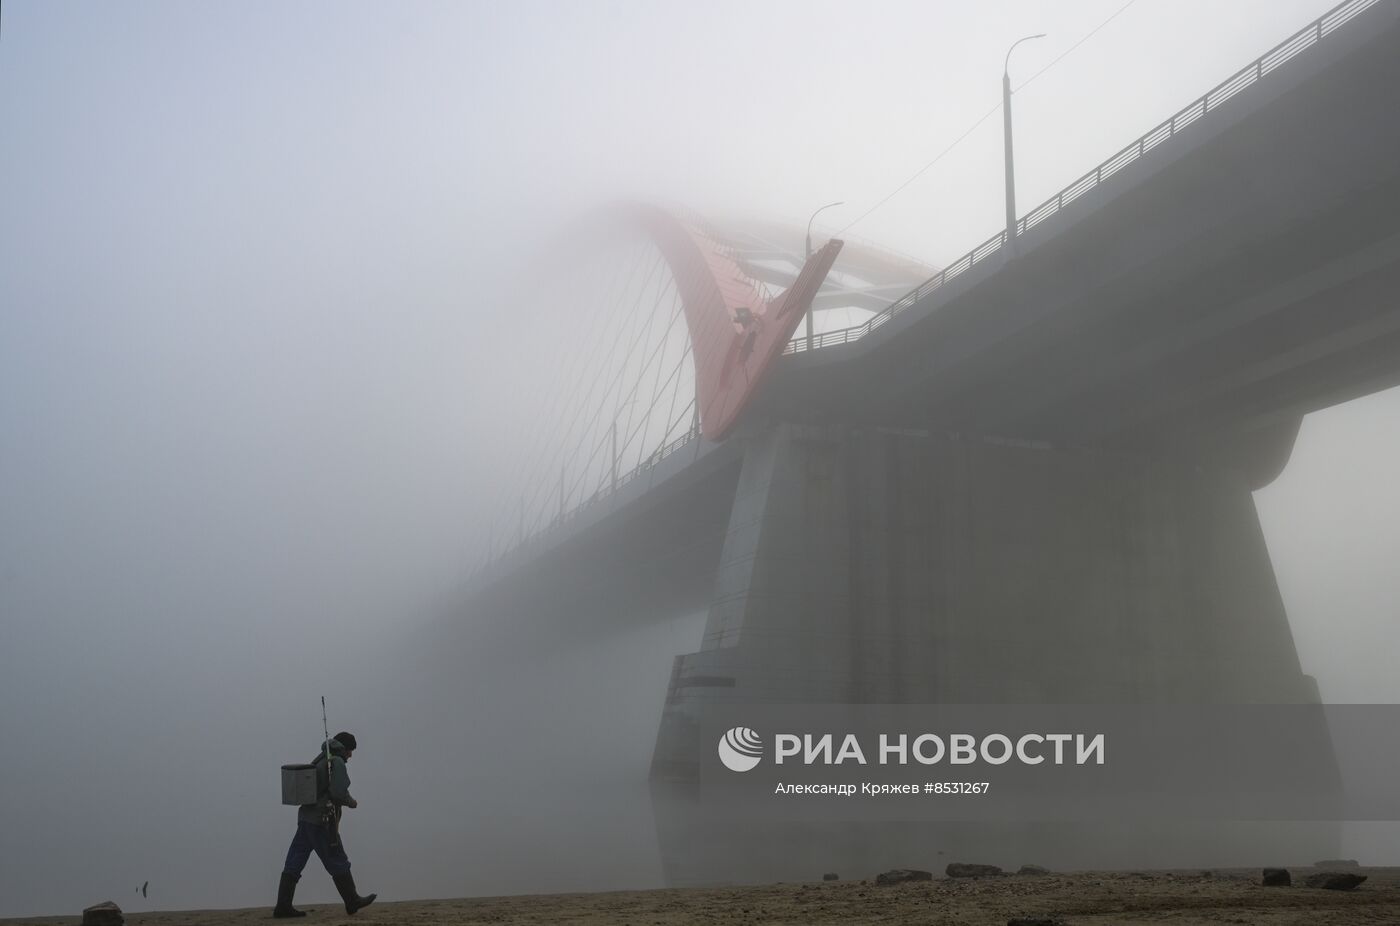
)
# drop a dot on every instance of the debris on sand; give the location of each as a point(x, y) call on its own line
point(103, 914)
point(1334, 880)
point(1337, 863)
point(900, 875)
point(966, 870)
point(831, 876)
point(1035, 921)
point(1033, 870)
point(1277, 877)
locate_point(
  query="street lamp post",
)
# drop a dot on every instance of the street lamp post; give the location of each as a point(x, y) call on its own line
point(1006, 121)
point(613, 434)
point(807, 253)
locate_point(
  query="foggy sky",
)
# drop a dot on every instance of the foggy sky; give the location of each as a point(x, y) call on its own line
point(260, 356)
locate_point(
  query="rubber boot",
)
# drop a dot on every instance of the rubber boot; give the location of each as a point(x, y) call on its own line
point(345, 883)
point(285, 890)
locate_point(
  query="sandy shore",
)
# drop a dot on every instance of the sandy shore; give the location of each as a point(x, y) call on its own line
point(1177, 898)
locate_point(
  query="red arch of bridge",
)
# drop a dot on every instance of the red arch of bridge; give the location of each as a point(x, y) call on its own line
point(736, 335)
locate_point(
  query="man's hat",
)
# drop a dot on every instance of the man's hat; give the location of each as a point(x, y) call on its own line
point(347, 740)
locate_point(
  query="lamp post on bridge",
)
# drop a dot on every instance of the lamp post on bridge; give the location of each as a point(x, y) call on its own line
point(613, 440)
point(807, 253)
point(1006, 122)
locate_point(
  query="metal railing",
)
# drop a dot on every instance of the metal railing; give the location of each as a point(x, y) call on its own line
point(598, 497)
point(1247, 76)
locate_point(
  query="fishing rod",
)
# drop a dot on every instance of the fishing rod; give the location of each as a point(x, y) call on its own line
point(329, 812)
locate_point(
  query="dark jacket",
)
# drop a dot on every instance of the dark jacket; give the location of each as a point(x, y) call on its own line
point(333, 787)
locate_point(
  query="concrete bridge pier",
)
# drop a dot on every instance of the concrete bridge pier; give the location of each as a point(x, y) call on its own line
point(867, 565)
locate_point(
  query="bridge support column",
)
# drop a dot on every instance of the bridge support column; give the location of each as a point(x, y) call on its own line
point(866, 566)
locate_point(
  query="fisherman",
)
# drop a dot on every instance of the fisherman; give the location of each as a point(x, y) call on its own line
point(318, 830)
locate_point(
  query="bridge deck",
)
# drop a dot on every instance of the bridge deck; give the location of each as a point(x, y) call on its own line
point(1238, 273)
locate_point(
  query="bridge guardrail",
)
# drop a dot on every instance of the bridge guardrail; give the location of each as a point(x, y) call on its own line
point(661, 453)
point(1245, 77)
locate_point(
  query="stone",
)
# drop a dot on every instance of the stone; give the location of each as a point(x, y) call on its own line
point(966, 870)
point(1277, 877)
point(1033, 870)
point(831, 876)
point(1035, 921)
point(103, 914)
point(1334, 880)
point(900, 875)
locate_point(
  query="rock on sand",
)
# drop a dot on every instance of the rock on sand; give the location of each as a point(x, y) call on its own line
point(966, 870)
point(103, 914)
point(1334, 880)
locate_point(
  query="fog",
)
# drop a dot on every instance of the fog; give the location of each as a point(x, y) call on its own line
point(265, 362)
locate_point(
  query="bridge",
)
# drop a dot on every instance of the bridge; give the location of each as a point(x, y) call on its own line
point(1025, 477)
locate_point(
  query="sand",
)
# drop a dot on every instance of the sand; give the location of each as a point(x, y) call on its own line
point(1119, 898)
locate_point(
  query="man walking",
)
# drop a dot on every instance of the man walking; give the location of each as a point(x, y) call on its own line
point(318, 830)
